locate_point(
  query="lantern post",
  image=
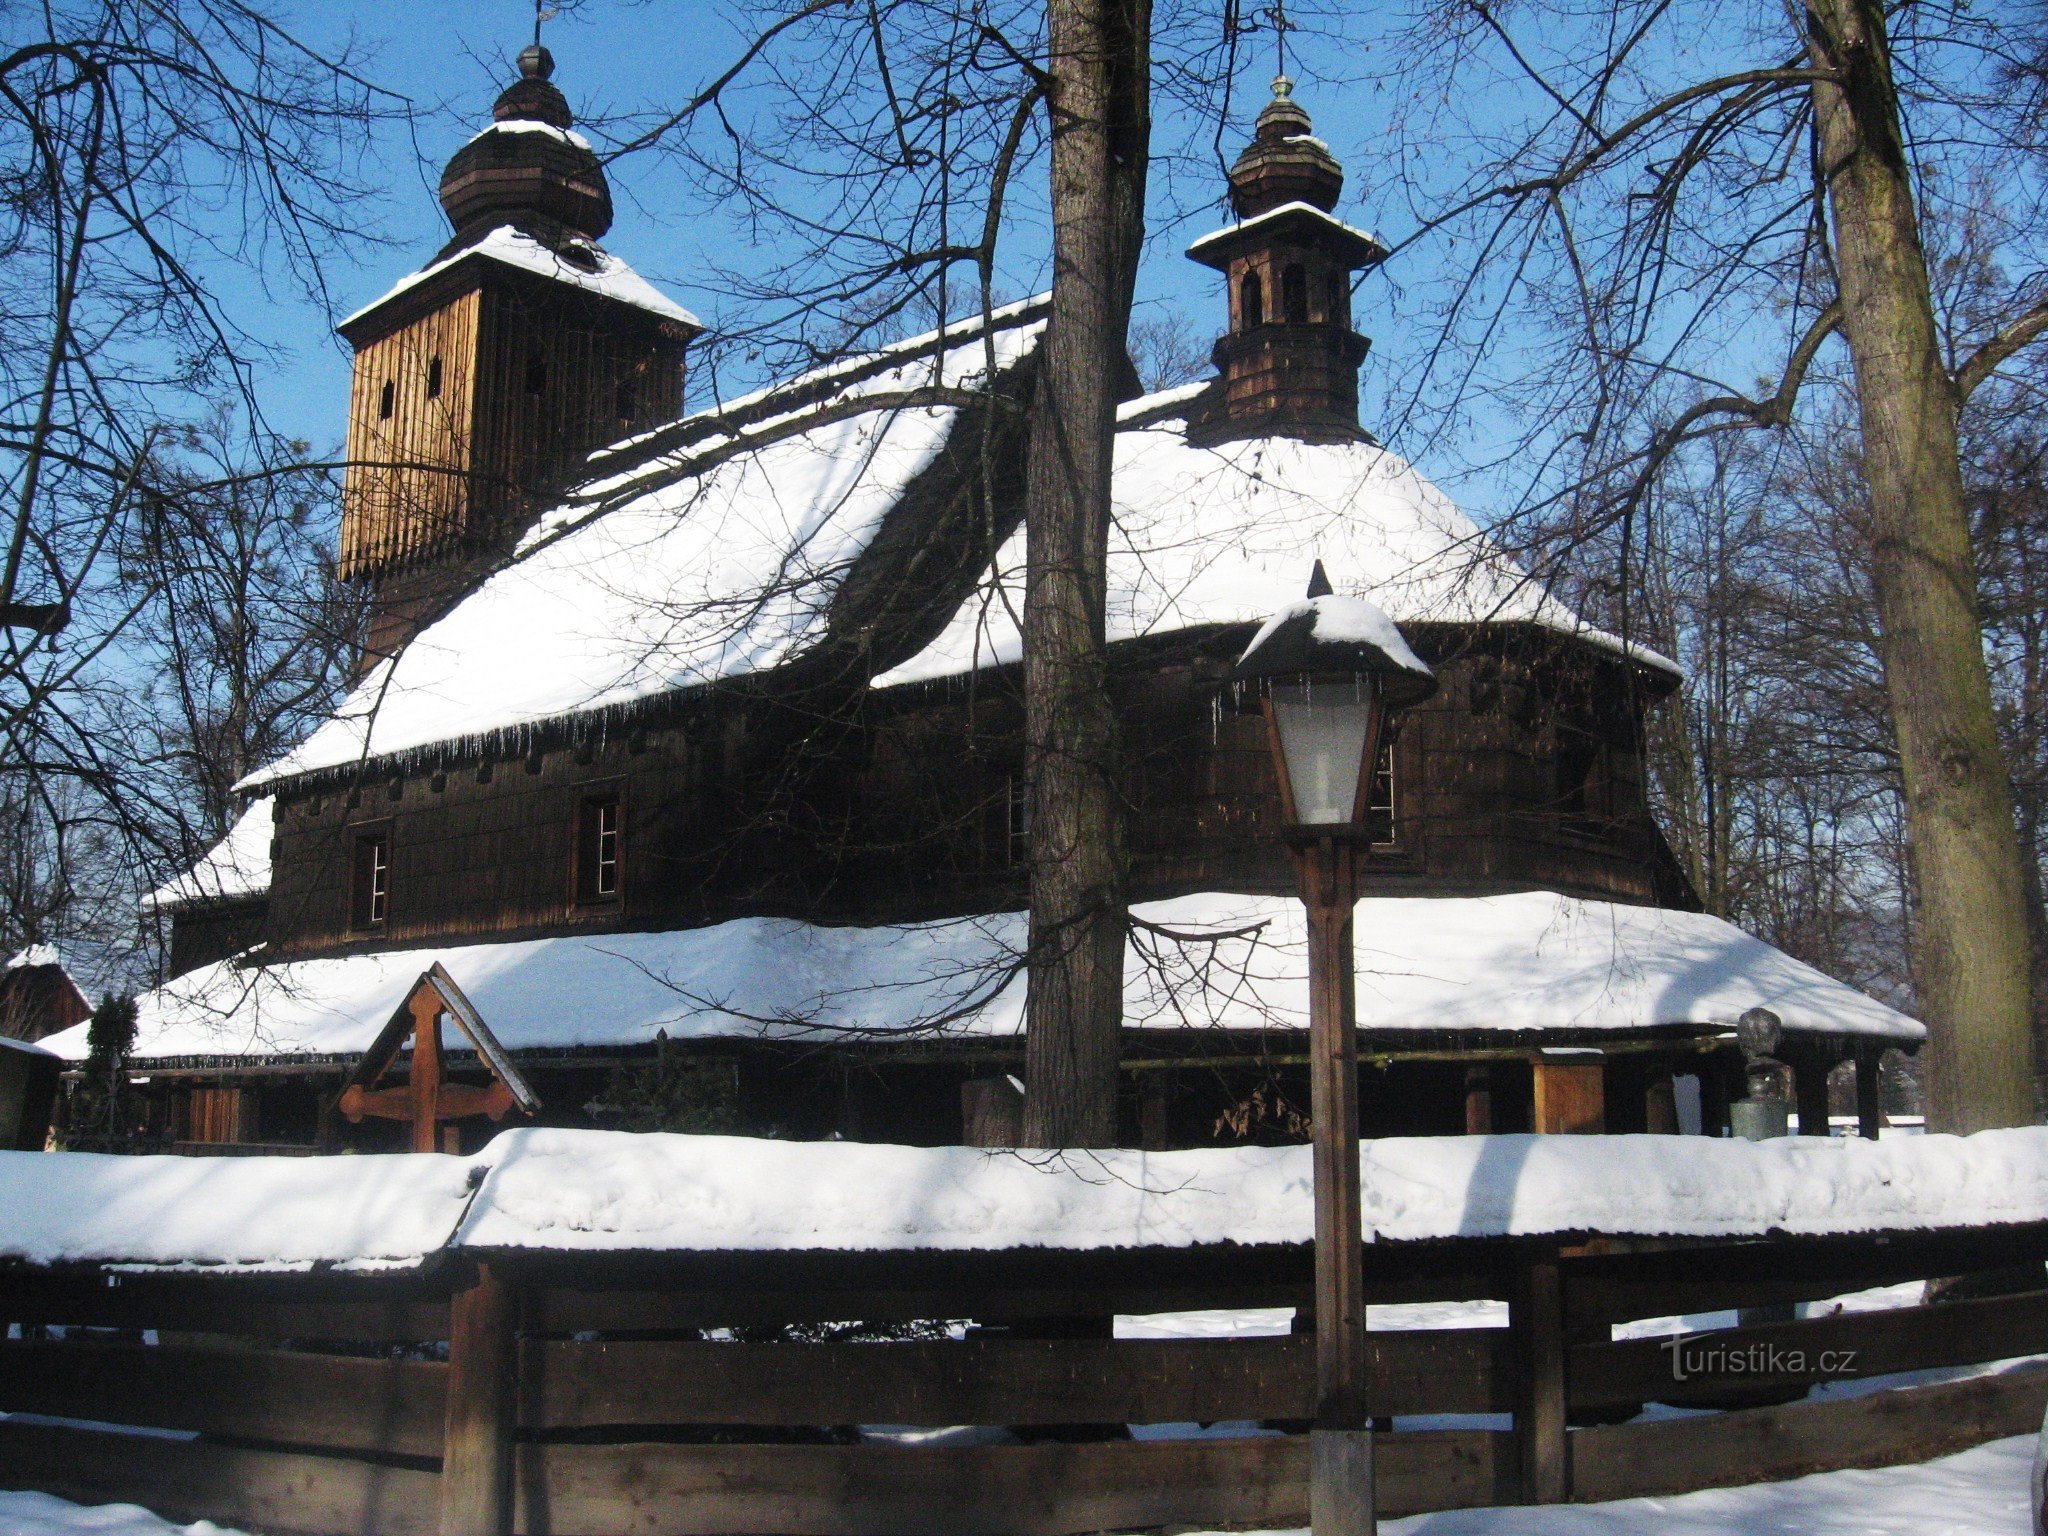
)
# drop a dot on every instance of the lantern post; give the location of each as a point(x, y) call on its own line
point(1328, 672)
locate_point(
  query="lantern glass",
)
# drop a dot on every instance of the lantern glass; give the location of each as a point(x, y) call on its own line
point(1326, 727)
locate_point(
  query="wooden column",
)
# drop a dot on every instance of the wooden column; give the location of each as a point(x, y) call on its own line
point(425, 1084)
point(1479, 1100)
point(1869, 1110)
point(477, 1443)
point(1810, 1091)
point(1536, 1322)
point(1660, 1103)
point(1570, 1093)
point(1340, 1443)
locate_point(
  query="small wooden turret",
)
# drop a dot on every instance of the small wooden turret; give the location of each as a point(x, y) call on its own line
point(1290, 358)
point(484, 381)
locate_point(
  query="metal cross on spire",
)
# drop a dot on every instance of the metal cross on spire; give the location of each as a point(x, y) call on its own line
point(542, 11)
point(1276, 17)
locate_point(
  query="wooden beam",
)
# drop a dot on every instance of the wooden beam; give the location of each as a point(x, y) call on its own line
point(1883, 1429)
point(248, 1489)
point(330, 1401)
point(481, 1424)
point(983, 1490)
point(1880, 1344)
point(993, 1380)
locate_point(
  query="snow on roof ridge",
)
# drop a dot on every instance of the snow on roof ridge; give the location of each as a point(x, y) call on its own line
point(531, 125)
point(739, 408)
point(511, 247)
point(39, 954)
point(1285, 210)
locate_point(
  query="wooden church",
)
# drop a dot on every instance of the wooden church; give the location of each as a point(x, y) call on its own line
point(688, 748)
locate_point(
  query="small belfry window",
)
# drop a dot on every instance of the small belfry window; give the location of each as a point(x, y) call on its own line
point(1251, 301)
point(433, 378)
point(387, 400)
point(536, 372)
point(599, 847)
point(370, 882)
point(628, 399)
point(1379, 805)
point(1019, 826)
point(1294, 294)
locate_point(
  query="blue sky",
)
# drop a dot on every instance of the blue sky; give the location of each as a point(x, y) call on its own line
point(450, 59)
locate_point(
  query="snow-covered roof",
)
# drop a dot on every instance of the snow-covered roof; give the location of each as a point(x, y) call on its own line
point(703, 575)
point(35, 955)
point(1535, 961)
point(608, 276)
point(536, 1190)
point(532, 125)
point(1228, 534)
point(1230, 235)
point(268, 1213)
point(234, 869)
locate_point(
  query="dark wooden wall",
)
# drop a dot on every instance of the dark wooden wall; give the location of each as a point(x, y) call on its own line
point(1524, 772)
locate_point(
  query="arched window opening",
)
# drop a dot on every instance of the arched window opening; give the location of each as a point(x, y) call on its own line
point(387, 400)
point(536, 372)
point(628, 397)
point(1251, 302)
point(1339, 305)
point(1294, 294)
point(433, 378)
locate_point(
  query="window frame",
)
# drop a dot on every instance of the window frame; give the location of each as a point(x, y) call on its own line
point(369, 906)
point(587, 835)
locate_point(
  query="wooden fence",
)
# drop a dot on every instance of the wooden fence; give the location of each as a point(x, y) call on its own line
point(561, 1396)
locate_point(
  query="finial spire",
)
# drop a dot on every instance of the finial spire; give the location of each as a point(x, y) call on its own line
point(1319, 582)
point(541, 12)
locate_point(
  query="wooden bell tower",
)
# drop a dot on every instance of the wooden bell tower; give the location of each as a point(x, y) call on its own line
point(482, 382)
point(1290, 358)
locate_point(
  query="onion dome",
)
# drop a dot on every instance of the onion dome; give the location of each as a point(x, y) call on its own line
point(1284, 163)
point(528, 169)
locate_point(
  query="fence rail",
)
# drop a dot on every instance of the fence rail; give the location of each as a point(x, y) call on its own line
point(579, 1397)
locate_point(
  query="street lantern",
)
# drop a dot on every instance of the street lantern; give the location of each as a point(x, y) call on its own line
point(1328, 672)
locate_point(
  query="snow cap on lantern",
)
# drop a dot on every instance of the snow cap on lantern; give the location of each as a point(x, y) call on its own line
point(1330, 670)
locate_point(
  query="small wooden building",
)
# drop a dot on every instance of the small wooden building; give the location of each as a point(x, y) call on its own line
point(705, 783)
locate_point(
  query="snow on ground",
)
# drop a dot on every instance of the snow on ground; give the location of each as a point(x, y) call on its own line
point(40, 1514)
point(1979, 1492)
point(1528, 961)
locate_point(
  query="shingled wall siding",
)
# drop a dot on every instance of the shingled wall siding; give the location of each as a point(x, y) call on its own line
point(1519, 774)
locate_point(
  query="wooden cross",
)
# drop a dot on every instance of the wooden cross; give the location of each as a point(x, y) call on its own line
point(428, 1100)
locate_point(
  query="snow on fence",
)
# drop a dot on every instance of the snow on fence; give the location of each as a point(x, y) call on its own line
point(580, 1334)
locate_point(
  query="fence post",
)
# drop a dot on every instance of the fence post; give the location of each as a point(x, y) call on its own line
point(1536, 1321)
point(477, 1441)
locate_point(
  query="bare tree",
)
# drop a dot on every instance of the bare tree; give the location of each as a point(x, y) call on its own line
point(144, 146)
point(1642, 182)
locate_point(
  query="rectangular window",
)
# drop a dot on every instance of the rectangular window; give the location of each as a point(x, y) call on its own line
point(433, 378)
point(370, 886)
point(599, 847)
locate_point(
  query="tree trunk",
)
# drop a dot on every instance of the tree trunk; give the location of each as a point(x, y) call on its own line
point(1971, 953)
point(1100, 57)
